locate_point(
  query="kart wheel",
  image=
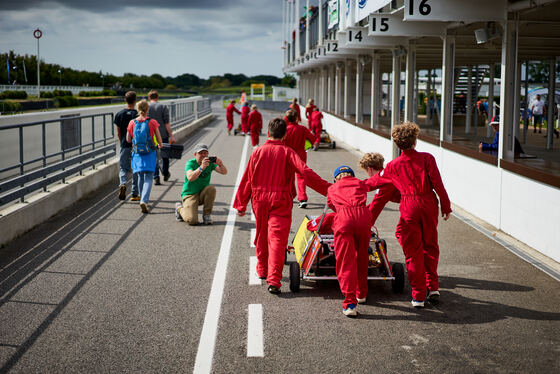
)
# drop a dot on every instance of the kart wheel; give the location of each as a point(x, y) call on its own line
point(398, 283)
point(333, 145)
point(326, 250)
point(294, 277)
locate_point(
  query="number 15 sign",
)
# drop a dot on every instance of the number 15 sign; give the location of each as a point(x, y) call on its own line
point(455, 10)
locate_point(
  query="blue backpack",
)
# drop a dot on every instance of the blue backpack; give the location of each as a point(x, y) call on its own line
point(142, 142)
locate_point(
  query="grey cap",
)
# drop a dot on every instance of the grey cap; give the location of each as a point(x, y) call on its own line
point(200, 147)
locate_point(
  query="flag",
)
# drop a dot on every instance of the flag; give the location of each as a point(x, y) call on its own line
point(24, 71)
point(8, 67)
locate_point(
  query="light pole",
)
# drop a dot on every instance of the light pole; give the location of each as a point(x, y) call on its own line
point(37, 34)
point(15, 75)
point(103, 81)
point(59, 77)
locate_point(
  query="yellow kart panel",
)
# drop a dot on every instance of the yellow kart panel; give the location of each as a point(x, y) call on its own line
point(303, 236)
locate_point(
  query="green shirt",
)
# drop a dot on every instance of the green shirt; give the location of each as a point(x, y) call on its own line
point(194, 187)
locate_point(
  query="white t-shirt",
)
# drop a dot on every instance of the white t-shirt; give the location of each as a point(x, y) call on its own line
point(538, 107)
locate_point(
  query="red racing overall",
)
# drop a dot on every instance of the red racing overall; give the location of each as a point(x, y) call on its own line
point(352, 233)
point(245, 119)
point(315, 125)
point(416, 176)
point(255, 125)
point(229, 115)
point(268, 181)
point(295, 139)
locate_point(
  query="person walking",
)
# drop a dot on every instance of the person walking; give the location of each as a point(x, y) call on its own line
point(539, 111)
point(141, 132)
point(255, 125)
point(160, 113)
point(122, 119)
point(229, 115)
point(295, 107)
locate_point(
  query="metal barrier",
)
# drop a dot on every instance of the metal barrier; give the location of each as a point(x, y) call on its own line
point(69, 145)
point(38, 154)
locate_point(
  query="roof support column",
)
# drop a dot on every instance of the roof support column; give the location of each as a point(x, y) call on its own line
point(338, 88)
point(507, 93)
point(346, 88)
point(320, 14)
point(428, 98)
point(491, 98)
point(375, 90)
point(551, 104)
point(447, 80)
point(307, 33)
point(396, 95)
point(526, 104)
point(517, 100)
point(359, 88)
point(410, 74)
point(329, 88)
point(296, 28)
point(468, 117)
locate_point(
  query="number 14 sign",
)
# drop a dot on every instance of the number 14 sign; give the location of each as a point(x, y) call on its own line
point(455, 10)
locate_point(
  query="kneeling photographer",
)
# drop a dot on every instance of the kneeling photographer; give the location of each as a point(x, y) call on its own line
point(197, 189)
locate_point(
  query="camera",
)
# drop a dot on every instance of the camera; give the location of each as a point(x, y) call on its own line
point(213, 159)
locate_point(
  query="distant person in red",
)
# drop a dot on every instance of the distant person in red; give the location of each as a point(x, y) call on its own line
point(316, 126)
point(309, 108)
point(255, 125)
point(352, 231)
point(372, 163)
point(295, 107)
point(296, 135)
point(268, 181)
point(229, 115)
point(416, 176)
point(245, 118)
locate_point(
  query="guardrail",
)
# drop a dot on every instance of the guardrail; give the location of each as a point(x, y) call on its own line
point(32, 89)
point(51, 150)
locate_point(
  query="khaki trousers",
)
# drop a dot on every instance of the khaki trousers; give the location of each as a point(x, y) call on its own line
point(189, 210)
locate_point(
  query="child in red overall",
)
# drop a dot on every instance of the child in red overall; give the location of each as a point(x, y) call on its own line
point(352, 233)
point(268, 181)
point(308, 110)
point(316, 126)
point(245, 118)
point(296, 136)
point(372, 163)
point(295, 107)
point(229, 115)
point(416, 176)
point(255, 125)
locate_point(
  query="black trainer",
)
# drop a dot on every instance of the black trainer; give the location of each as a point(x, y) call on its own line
point(157, 181)
point(273, 290)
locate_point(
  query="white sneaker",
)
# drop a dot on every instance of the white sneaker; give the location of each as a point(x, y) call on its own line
point(433, 296)
point(177, 214)
point(303, 204)
point(350, 311)
point(417, 304)
point(362, 301)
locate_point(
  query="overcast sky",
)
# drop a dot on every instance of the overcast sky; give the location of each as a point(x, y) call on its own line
point(169, 37)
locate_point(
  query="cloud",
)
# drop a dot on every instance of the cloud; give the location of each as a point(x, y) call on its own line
point(111, 5)
point(172, 38)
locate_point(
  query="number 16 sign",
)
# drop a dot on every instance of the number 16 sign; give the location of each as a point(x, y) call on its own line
point(455, 10)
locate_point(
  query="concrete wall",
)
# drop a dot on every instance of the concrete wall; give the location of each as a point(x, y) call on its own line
point(22, 217)
point(520, 207)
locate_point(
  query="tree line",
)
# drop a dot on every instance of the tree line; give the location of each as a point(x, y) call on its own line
point(23, 70)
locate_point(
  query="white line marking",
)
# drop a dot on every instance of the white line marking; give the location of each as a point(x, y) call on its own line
point(205, 354)
point(255, 340)
point(254, 279)
point(253, 235)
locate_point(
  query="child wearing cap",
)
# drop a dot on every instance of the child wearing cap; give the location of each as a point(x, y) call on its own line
point(416, 176)
point(268, 181)
point(495, 123)
point(352, 231)
point(255, 125)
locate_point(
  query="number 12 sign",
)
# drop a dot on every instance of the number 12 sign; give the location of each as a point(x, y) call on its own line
point(455, 10)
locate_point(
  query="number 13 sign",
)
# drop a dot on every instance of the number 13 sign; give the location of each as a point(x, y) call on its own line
point(455, 10)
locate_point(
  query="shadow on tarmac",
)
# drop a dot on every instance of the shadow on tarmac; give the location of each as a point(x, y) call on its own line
point(453, 308)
